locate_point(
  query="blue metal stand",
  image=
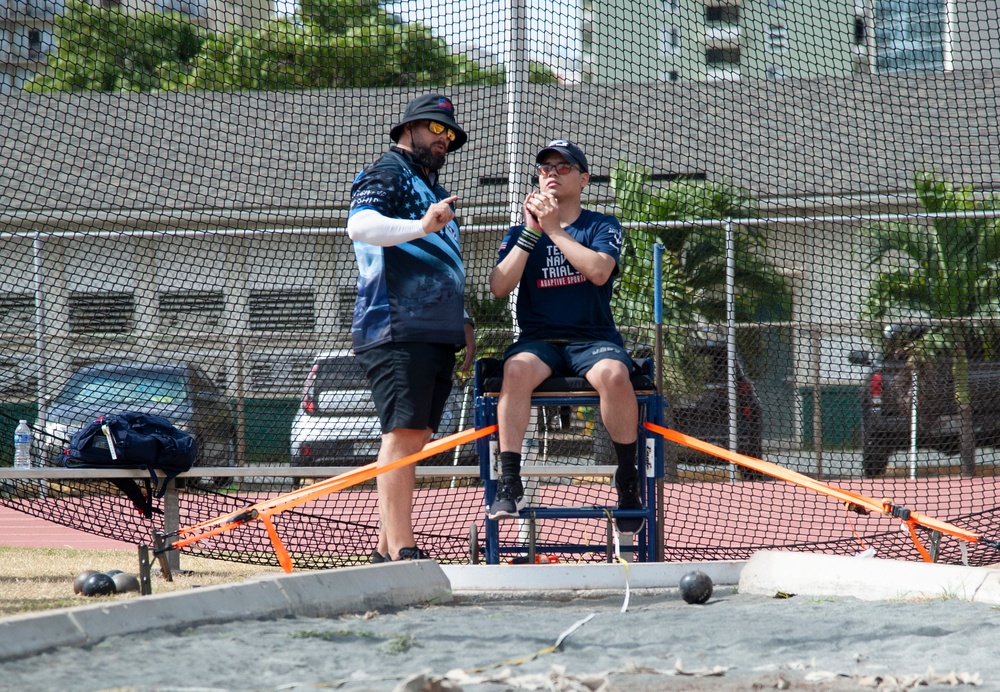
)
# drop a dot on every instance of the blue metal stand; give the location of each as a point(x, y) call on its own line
point(570, 392)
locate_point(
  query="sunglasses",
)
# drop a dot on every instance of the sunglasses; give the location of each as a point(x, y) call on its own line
point(559, 168)
point(437, 128)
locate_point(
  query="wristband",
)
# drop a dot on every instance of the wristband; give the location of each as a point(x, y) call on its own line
point(527, 240)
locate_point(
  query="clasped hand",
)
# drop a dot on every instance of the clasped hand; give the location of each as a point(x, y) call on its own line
point(541, 212)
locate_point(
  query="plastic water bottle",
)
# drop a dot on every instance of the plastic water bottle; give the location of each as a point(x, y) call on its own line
point(22, 446)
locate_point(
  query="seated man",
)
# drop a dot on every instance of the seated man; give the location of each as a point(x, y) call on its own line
point(563, 261)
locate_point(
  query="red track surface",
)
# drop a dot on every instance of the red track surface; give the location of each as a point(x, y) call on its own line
point(19, 530)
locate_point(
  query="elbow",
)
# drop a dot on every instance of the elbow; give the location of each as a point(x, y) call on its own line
point(600, 278)
point(497, 287)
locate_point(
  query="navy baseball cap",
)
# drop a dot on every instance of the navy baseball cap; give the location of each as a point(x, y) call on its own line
point(566, 149)
point(431, 107)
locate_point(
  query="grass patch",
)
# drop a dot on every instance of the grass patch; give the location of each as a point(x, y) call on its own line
point(37, 579)
point(399, 644)
point(335, 635)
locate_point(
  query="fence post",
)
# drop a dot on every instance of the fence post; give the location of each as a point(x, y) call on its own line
point(815, 345)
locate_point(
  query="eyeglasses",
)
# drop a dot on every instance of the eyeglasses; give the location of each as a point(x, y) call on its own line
point(437, 128)
point(559, 168)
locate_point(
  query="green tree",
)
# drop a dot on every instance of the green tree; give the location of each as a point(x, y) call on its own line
point(331, 44)
point(694, 262)
point(946, 269)
point(109, 49)
point(327, 44)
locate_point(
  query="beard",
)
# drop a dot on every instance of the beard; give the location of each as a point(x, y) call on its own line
point(427, 158)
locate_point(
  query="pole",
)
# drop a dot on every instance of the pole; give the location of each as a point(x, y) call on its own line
point(515, 45)
point(731, 342)
point(815, 345)
point(913, 422)
point(658, 362)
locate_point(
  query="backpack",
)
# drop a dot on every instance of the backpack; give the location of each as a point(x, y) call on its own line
point(131, 440)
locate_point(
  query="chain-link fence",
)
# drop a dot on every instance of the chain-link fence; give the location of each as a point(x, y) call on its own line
point(177, 183)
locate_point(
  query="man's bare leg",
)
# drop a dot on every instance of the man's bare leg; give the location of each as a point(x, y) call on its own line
point(395, 489)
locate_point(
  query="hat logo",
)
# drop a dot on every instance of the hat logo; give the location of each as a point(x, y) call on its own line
point(559, 143)
point(445, 104)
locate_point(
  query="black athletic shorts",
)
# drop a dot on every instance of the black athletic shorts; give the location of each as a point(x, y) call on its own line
point(410, 383)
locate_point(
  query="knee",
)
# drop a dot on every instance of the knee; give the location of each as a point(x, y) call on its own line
point(520, 377)
point(611, 377)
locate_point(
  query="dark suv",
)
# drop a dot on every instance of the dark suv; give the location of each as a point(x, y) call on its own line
point(702, 411)
point(180, 392)
point(887, 399)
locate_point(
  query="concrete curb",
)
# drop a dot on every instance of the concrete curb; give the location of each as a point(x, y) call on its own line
point(770, 572)
point(308, 594)
point(481, 580)
point(399, 584)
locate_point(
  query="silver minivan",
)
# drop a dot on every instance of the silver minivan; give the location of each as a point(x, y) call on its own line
point(337, 425)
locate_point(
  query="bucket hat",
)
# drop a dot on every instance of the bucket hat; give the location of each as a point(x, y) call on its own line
point(431, 107)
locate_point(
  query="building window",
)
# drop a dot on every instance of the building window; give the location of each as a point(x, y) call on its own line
point(722, 57)
point(670, 41)
point(282, 311)
point(18, 311)
point(723, 14)
point(192, 309)
point(34, 44)
point(100, 312)
point(860, 31)
point(909, 35)
point(776, 39)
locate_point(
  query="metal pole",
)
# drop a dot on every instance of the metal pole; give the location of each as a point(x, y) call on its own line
point(517, 91)
point(41, 387)
point(515, 43)
point(870, 46)
point(816, 345)
point(731, 342)
point(38, 250)
point(241, 438)
point(913, 423)
point(658, 363)
point(948, 46)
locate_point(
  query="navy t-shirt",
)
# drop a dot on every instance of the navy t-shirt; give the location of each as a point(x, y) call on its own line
point(554, 300)
point(413, 291)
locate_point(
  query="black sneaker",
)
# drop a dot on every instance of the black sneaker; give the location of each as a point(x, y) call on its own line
point(377, 558)
point(413, 553)
point(629, 498)
point(509, 500)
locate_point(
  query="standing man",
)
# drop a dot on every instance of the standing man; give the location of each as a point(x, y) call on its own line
point(563, 261)
point(409, 318)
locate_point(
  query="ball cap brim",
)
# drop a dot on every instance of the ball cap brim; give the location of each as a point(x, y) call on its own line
point(434, 107)
point(566, 149)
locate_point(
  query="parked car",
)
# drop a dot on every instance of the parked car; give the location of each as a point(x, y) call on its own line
point(337, 425)
point(887, 399)
point(702, 410)
point(180, 392)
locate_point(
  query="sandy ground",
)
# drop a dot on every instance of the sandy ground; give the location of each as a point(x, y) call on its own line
point(734, 642)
